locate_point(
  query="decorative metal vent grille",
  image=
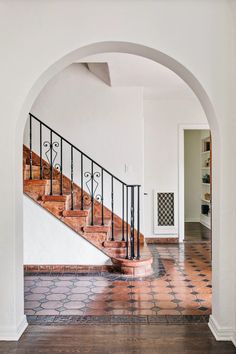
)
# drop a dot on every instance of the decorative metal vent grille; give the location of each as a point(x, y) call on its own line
point(165, 209)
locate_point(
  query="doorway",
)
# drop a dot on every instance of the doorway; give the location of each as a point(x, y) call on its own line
point(197, 185)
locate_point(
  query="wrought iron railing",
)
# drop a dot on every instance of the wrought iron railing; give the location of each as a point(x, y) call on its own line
point(99, 190)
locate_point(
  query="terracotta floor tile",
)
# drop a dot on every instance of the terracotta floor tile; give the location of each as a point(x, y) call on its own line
point(170, 294)
point(60, 290)
point(163, 297)
point(142, 290)
point(161, 290)
point(121, 305)
point(83, 283)
point(144, 304)
point(80, 290)
point(165, 304)
point(121, 312)
point(120, 283)
point(56, 297)
point(51, 305)
point(95, 312)
point(167, 312)
point(98, 297)
point(39, 290)
point(146, 312)
point(48, 312)
point(140, 283)
point(31, 304)
point(74, 305)
point(72, 312)
point(142, 297)
point(120, 297)
point(97, 305)
point(35, 297)
point(63, 283)
point(78, 297)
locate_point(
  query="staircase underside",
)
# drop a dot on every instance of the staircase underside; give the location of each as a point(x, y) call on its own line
point(79, 220)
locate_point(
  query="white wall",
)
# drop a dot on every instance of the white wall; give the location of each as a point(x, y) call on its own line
point(48, 241)
point(192, 175)
point(161, 126)
point(196, 39)
point(104, 122)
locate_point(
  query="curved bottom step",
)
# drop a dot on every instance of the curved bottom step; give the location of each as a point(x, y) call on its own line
point(134, 268)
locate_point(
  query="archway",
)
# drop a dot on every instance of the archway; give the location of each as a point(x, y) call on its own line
point(140, 50)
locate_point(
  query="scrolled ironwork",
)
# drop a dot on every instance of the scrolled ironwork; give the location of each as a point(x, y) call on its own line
point(51, 146)
point(94, 177)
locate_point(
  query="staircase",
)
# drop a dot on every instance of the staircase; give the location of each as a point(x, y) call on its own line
point(77, 190)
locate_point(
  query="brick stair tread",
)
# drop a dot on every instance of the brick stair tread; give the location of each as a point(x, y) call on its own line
point(36, 167)
point(55, 198)
point(114, 244)
point(75, 213)
point(96, 228)
point(116, 251)
point(32, 182)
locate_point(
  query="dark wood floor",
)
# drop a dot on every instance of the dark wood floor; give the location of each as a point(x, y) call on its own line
point(122, 339)
point(196, 232)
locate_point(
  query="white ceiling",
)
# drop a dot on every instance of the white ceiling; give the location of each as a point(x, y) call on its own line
point(135, 71)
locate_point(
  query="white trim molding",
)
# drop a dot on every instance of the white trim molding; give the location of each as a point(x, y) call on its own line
point(13, 333)
point(192, 220)
point(182, 128)
point(221, 333)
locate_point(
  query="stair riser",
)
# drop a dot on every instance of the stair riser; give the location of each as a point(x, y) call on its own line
point(115, 252)
point(98, 237)
point(75, 223)
point(35, 174)
point(55, 208)
point(36, 192)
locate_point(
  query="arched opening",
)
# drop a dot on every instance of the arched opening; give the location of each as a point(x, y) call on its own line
point(139, 50)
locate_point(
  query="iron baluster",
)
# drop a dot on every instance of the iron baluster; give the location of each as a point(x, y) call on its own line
point(30, 141)
point(51, 163)
point(82, 183)
point(102, 197)
point(138, 223)
point(112, 209)
point(123, 212)
point(92, 206)
point(40, 147)
point(132, 254)
point(72, 179)
point(127, 222)
point(61, 169)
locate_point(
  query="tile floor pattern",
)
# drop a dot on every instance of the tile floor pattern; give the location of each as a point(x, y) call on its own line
point(181, 285)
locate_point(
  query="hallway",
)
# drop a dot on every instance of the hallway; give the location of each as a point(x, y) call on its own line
point(181, 285)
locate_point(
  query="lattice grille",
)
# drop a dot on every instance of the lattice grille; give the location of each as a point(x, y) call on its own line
point(165, 209)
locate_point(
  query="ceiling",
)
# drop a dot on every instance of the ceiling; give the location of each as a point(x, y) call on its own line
point(127, 70)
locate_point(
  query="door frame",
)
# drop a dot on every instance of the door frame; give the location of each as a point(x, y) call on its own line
point(182, 128)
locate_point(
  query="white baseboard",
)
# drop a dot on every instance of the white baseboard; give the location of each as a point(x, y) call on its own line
point(221, 333)
point(13, 333)
point(163, 236)
point(234, 338)
point(192, 220)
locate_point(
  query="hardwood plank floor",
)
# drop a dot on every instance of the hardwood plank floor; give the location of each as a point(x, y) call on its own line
point(118, 339)
point(196, 232)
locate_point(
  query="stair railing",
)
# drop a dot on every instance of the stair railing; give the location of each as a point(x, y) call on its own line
point(98, 186)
